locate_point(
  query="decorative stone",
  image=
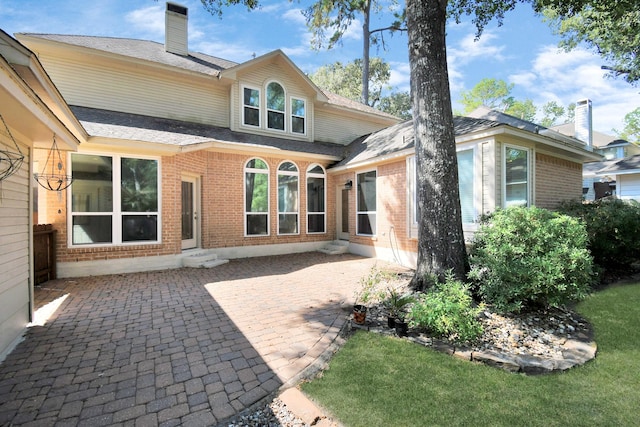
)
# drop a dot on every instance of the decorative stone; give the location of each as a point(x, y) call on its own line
point(498, 360)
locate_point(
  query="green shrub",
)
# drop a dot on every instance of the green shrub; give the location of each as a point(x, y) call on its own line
point(613, 227)
point(447, 310)
point(530, 258)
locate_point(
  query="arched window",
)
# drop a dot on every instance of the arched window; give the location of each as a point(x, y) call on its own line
point(275, 106)
point(316, 199)
point(256, 193)
point(288, 198)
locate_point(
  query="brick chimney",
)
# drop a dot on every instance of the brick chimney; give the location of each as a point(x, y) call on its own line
point(175, 33)
point(584, 122)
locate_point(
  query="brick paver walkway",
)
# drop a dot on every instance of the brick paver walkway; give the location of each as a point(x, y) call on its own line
point(178, 347)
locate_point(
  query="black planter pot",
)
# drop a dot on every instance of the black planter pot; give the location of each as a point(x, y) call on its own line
point(391, 322)
point(402, 328)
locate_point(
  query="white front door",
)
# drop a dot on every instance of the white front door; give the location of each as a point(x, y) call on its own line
point(342, 213)
point(189, 198)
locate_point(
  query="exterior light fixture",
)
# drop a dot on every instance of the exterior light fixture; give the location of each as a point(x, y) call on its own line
point(348, 185)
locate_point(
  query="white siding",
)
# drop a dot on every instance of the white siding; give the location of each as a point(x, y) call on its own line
point(91, 84)
point(341, 129)
point(629, 186)
point(15, 212)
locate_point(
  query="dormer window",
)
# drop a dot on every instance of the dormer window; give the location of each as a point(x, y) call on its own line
point(275, 106)
point(251, 110)
point(270, 108)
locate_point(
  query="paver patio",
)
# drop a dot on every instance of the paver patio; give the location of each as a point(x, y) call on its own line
point(177, 347)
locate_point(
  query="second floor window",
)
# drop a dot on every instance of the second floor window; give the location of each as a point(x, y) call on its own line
point(298, 116)
point(251, 111)
point(275, 106)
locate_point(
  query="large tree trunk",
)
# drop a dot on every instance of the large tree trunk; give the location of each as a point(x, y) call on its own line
point(440, 238)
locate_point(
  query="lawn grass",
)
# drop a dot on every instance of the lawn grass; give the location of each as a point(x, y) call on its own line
point(384, 381)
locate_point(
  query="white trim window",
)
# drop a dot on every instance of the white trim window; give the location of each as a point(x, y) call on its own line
point(288, 198)
point(275, 106)
point(256, 196)
point(251, 106)
point(466, 187)
point(516, 176)
point(366, 203)
point(114, 200)
point(316, 200)
point(298, 116)
point(468, 183)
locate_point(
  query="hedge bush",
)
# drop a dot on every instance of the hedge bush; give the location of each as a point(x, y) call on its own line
point(613, 227)
point(525, 258)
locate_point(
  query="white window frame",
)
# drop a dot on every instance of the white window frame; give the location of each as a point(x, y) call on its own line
point(292, 116)
point(244, 196)
point(374, 230)
point(243, 105)
point(116, 206)
point(412, 202)
point(530, 153)
point(310, 174)
point(284, 113)
point(280, 173)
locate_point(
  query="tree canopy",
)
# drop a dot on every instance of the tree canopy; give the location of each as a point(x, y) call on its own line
point(344, 80)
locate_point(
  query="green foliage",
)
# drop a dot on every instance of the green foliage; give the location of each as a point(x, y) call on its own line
point(493, 93)
point(530, 257)
point(345, 79)
point(613, 227)
point(447, 310)
point(397, 104)
point(371, 286)
point(631, 131)
point(396, 302)
point(611, 28)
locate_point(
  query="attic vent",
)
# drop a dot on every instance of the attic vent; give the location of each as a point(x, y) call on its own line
point(171, 7)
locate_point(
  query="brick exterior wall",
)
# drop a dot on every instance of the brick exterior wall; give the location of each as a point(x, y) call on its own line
point(556, 180)
point(222, 208)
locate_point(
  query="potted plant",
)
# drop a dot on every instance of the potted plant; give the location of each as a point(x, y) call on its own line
point(369, 292)
point(396, 304)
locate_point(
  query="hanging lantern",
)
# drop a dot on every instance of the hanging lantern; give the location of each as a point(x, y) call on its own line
point(10, 161)
point(53, 176)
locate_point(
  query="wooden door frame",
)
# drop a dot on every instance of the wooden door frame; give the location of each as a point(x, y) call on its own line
point(196, 241)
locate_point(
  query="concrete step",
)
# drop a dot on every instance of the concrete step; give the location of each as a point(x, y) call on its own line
point(202, 258)
point(335, 248)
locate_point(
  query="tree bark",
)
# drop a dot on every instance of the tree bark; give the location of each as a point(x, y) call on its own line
point(366, 36)
point(441, 246)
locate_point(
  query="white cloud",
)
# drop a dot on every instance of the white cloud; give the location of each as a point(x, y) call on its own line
point(400, 77)
point(566, 77)
point(148, 19)
point(295, 15)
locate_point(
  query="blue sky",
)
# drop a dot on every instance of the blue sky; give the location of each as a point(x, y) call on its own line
point(523, 51)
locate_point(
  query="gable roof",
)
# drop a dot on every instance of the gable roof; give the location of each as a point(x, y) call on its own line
point(627, 165)
point(177, 135)
point(484, 112)
point(197, 62)
point(396, 139)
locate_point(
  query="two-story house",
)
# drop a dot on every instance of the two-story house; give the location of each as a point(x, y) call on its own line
point(189, 154)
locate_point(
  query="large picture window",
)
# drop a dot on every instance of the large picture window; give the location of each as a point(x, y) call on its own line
point(275, 106)
point(366, 203)
point(316, 200)
point(288, 200)
point(113, 200)
point(256, 185)
point(516, 176)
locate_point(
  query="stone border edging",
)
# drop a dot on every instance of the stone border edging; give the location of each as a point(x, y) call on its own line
point(575, 352)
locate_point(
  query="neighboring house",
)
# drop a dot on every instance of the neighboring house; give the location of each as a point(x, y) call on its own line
point(599, 179)
point(189, 151)
point(32, 111)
